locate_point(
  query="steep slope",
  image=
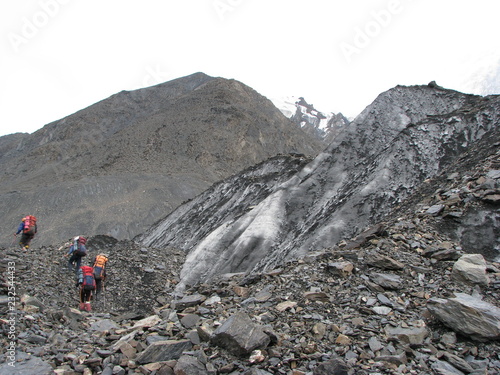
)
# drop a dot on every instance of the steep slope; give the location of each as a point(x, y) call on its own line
point(407, 135)
point(115, 167)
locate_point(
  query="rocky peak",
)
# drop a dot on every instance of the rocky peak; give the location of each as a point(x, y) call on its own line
point(408, 135)
point(128, 160)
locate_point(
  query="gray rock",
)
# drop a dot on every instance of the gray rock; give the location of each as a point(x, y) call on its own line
point(340, 269)
point(164, 351)
point(471, 268)
point(188, 301)
point(458, 362)
point(386, 281)
point(33, 366)
point(435, 210)
point(190, 320)
point(374, 344)
point(467, 315)
point(332, 367)
point(411, 336)
point(444, 368)
point(383, 262)
point(104, 325)
point(189, 365)
point(239, 335)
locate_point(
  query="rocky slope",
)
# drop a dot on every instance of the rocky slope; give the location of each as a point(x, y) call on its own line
point(408, 135)
point(364, 306)
point(120, 164)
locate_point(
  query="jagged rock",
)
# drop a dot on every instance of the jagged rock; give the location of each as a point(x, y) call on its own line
point(458, 362)
point(32, 366)
point(396, 360)
point(492, 199)
point(471, 268)
point(240, 335)
point(332, 367)
point(150, 321)
point(445, 368)
point(435, 210)
point(190, 320)
point(188, 301)
point(411, 336)
point(383, 262)
point(104, 325)
point(189, 365)
point(467, 315)
point(340, 269)
point(316, 296)
point(163, 351)
point(386, 281)
point(363, 237)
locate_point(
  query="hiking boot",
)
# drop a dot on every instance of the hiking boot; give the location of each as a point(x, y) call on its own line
point(87, 306)
point(81, 306)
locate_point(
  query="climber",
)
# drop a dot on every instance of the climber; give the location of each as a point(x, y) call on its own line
point(28, 228)
point(87, 285)
point(99, 265)
point(77, 250)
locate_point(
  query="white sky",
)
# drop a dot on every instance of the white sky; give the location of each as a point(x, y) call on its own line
point(60, 56)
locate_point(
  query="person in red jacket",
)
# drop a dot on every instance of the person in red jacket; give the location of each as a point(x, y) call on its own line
point(86, 282)
point(28, 229)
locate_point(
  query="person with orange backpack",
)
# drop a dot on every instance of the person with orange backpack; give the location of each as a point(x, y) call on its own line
point(28, 228)
point(86, 282)
point(76, 252)
point(99, 265)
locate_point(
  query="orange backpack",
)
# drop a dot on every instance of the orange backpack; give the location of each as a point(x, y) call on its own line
point(99, 266)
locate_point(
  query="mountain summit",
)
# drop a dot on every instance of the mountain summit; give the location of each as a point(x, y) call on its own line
point(117, 166)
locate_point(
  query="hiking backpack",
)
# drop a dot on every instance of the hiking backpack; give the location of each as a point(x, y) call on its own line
point(30, 225)
point(79, 246)
point(88, 281)
point(99, 266)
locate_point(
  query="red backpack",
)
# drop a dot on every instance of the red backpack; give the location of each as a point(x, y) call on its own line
point(88, 282)
point(30, 225)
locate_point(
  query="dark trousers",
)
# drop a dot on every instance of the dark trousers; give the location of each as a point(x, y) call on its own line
point(74, 259)
point(85, 295)
point(25, 239)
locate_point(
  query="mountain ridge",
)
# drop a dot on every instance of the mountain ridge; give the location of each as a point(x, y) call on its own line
point(392, 147)
point(116, 166)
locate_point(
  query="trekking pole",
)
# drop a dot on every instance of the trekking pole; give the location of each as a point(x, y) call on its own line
point(13, 241)
point(103, 295)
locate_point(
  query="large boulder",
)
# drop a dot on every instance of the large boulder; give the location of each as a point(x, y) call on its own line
point(471, 269)
point(467, 315)
point(240, 335)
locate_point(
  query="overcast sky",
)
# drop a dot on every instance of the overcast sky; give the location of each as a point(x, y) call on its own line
point(60, 56)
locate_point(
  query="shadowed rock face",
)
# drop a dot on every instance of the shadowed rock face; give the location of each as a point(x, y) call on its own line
point(408, 135)
point(117, 166)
